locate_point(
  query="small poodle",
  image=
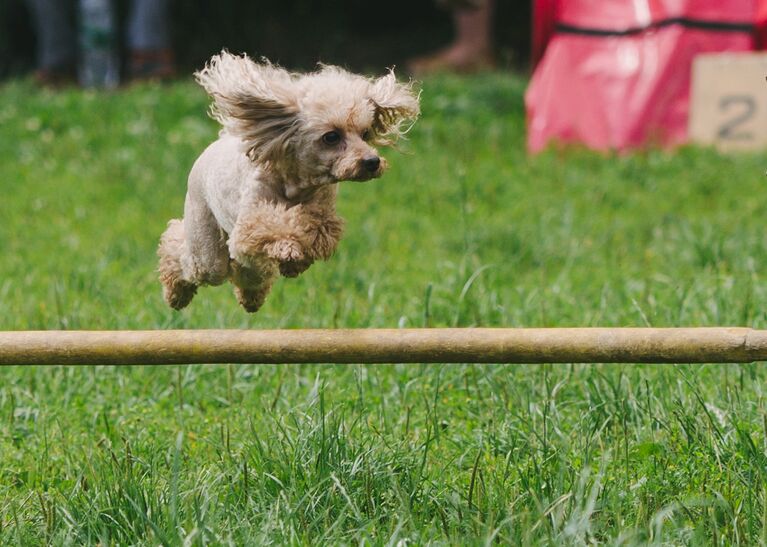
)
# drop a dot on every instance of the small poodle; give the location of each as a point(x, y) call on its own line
point(261, 199)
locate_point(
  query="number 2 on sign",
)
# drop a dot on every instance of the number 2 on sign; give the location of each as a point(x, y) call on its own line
point(740, 108)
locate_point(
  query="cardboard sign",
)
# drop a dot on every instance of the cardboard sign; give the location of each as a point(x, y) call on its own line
point(728, 106)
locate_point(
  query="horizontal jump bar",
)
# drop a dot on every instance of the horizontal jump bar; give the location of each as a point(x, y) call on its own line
point(460, 345)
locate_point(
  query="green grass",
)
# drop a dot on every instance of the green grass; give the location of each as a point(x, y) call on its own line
point(465, 230)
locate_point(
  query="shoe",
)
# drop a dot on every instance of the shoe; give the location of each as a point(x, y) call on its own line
point(151, 65)
point(452, 59)
point(55, 77)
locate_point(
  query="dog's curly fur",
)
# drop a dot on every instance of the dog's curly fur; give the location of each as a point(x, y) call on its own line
point(261, 199)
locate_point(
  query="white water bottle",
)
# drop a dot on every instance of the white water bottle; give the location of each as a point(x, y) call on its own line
point(98, 52)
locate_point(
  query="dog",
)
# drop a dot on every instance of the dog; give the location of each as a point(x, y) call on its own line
point(261, 199)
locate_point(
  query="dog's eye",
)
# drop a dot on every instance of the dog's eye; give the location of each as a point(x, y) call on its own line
point(366, 135)
point(331, 137)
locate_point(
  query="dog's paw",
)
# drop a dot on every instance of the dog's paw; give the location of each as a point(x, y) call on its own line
point(178, 294)
point(251, 300)
point(285, 250)
point(294, 268)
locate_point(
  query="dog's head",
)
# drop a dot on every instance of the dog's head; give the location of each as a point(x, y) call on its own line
point(320, 128)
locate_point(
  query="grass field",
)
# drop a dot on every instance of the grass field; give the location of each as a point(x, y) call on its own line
point(465, 230)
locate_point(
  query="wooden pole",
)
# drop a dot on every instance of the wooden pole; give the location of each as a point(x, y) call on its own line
point(478, 345)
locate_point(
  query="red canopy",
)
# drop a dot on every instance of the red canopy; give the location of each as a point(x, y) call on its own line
point(615, 74)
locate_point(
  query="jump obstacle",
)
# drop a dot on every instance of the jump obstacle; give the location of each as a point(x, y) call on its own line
point(458, 345)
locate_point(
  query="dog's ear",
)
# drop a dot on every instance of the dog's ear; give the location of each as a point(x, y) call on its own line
point(254, 101)
point(395, 105)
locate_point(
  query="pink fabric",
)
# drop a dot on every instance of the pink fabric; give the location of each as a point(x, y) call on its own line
point(544, 18)
point(761, 24)
point(621, 92)
point(618, 14)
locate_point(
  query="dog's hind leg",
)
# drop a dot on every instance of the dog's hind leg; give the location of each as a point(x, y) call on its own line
point(192, 252)
point(252, 283)
point(205, 256)
point(176, 291)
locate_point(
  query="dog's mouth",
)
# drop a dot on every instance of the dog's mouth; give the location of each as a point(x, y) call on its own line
point(364, 176)
point(357, 177)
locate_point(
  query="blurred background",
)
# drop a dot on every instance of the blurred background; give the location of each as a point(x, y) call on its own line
point(610, 75)
point(295, 33)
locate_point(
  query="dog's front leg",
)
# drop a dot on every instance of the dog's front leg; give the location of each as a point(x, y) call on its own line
point(323, 228)
point(270, 230)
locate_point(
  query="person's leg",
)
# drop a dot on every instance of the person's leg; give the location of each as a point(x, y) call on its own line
point(56, 46)
point(472, 48)
point(148, 25)
point(474, 29)
point(149, 40)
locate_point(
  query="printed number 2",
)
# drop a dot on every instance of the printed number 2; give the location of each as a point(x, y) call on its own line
point(743, 107)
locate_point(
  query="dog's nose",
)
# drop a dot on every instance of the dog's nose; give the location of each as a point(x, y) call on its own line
point(372, 163)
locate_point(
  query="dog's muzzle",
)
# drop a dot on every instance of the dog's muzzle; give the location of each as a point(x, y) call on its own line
point(369, 168)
